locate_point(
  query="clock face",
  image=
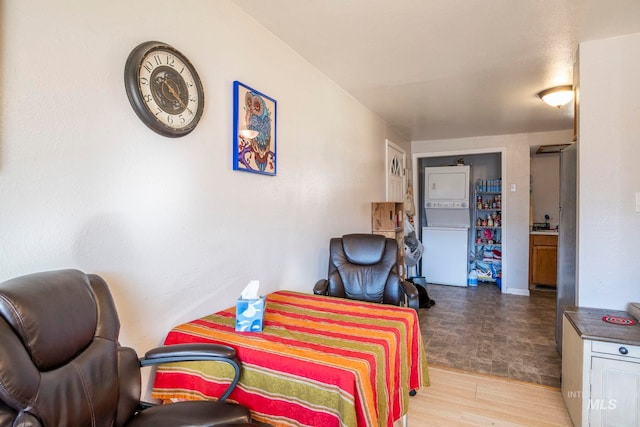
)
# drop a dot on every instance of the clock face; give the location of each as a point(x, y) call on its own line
point(164, 89)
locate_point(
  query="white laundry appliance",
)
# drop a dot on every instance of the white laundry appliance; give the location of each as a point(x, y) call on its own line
point(446, 235)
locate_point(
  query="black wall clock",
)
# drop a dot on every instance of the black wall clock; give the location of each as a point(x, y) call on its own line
point(164, 89)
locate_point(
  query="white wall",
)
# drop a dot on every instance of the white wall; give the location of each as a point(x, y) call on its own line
point(545, 187)
point(609, 176)
point(174, 230)
point(515, 214)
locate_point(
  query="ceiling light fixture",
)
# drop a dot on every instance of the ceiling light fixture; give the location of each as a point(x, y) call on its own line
point(557, 96)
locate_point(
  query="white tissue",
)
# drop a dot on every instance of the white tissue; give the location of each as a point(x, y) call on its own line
point(251, 290)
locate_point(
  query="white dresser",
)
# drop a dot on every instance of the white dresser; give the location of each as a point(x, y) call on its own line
point(600, 368)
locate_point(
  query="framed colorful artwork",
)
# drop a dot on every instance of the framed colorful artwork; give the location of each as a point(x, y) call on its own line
point(254, 130)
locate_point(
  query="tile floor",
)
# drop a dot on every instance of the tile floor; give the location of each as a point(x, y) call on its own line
point(479, 329)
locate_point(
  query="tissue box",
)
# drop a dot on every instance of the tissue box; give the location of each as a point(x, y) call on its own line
point(249, 314)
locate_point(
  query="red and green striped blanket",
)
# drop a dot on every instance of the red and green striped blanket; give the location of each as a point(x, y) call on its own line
point(319, 361)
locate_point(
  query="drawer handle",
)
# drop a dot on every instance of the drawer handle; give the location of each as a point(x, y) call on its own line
point(623, 350)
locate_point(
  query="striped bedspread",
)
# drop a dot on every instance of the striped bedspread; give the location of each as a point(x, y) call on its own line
point(319, 361)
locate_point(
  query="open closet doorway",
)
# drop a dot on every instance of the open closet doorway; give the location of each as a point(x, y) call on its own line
point(486, 165)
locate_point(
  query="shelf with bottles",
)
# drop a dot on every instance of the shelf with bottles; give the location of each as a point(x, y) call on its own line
point(489, 186)
point(492, 219)
point(488, 202)
point(487, 228)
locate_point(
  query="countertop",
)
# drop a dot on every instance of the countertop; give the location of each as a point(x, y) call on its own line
point(589, 325)
point(545, 232)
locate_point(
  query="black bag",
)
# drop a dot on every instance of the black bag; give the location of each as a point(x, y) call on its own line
point(425, 301)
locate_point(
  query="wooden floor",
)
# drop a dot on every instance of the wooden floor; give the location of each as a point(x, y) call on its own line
point(458, 398)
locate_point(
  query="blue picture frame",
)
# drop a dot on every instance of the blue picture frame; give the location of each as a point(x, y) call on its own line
point(254, 130)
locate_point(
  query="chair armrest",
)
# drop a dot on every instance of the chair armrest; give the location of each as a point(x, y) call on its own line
point(321, 287)
point(195, 352)
point(412, 294)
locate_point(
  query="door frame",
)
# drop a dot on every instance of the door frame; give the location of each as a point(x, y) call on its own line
point(505, 199)
point(389, 143)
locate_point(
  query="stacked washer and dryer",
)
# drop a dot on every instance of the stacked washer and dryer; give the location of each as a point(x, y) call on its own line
point(446, 234)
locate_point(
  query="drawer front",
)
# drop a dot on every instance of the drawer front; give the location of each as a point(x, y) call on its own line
point(616, 349)
point(544, 240)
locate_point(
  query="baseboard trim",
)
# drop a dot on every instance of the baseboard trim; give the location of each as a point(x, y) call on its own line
point(522, 292)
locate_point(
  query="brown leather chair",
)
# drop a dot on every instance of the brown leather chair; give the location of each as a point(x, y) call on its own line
point(364, 267)
point(61, 364)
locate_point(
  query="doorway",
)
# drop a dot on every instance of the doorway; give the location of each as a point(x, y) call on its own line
point(485, 164)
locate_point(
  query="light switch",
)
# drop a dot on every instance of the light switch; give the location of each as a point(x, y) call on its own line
point(513, 187)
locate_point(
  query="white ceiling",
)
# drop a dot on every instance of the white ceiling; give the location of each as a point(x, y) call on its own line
point(437, 69)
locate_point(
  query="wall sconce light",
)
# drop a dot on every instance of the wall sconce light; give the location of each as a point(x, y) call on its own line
point(248, 133)
point(557, 96)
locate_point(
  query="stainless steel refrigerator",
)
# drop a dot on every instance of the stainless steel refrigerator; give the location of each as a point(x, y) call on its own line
point(567, 238)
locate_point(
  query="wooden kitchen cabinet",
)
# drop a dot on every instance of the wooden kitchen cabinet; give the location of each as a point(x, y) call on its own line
point(543, 260)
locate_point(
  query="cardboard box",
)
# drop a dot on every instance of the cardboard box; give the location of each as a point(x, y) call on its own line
point(249, 314)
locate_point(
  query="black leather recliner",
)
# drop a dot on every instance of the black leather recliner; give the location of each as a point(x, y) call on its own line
point(364, 267)
point(61, 364)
